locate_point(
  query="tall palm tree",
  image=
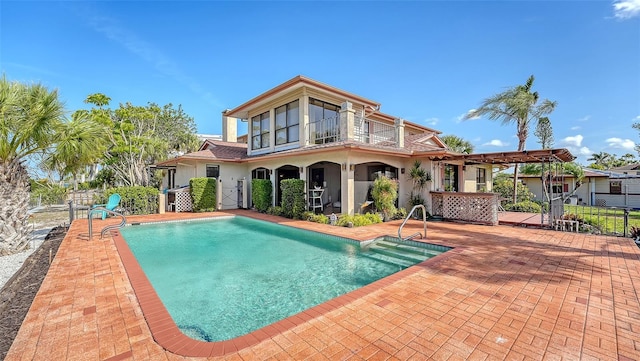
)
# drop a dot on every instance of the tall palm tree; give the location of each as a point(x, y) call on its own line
point(457, 144)
point(602, 160)
point(30, 116)
point(80, 144)
point(517, 105)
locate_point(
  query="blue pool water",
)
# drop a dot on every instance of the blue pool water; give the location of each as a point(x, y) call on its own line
point(223, 278)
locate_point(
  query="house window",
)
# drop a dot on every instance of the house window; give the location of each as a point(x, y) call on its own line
point(556, 188)
point(325, 121)
point(451, 178)
point(260, 131)
point(213, 171)
point(481, 179)
point(287, 123)
point(260, 173)
point(615, 187)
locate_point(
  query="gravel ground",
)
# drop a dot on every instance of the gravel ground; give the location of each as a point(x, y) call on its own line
point(9, 265)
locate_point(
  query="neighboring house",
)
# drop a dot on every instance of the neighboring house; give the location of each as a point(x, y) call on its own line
point(332, 139)
point(599, 188)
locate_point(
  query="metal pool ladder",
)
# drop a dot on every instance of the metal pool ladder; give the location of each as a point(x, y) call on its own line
point(107, 228)
point(424, 223)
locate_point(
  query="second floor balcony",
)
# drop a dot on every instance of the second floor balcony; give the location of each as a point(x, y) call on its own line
point(364, 130)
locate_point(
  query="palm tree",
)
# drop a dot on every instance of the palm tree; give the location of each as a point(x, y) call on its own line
point(457, 144)
point(517, 105)
point(602, 160)
point(30, 116)
point(80, 144)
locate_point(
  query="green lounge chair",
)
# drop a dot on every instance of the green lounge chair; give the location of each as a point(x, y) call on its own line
point(112, 203)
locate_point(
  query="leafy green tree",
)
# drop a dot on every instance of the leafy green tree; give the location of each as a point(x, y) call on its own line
point(544, 132)
point(30, 117)
point(141, 136)
point(457, 144)
point(517, 105)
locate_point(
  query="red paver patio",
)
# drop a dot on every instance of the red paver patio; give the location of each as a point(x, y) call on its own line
point(505, 293)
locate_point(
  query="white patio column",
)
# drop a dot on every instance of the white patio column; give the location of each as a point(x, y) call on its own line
point(347, 121)
point(399, 123)
point(273, 179)
point(304, 120)
point(347, 192)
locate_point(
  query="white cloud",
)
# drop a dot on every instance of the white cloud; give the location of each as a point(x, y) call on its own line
point(577, 127)
point(496, 143)
point(626, 9)
point(574, 141)
point(627, 144)
point(461, 117)
point(574, 145)
point(432, 121)
point(637, 118)
point(584, 119)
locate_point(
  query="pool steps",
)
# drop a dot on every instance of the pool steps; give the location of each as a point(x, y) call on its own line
point(397, 253)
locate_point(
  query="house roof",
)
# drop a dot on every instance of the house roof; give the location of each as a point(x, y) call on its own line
point(212, 150)
point(587, 174)
point(241, 111)
point(634, 166)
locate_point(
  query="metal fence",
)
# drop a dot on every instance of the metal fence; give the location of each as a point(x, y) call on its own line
point(126, 207)
point(616, 221)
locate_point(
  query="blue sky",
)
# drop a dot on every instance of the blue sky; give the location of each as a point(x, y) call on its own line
point(427, 62)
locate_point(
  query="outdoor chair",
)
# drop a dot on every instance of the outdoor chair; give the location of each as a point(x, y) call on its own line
point(111, 204)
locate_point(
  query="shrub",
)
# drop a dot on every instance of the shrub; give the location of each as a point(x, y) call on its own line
point(318, 218)
point(358, 220)
point(385, 193)
point(47, 193)
point(134, 200)
point(526, 206)
point(293, 202)
point(203, 194)
point(261, 191)
point(401, 213)
point(275, 211)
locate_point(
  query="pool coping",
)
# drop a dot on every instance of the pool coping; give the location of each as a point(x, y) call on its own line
point(167, 334)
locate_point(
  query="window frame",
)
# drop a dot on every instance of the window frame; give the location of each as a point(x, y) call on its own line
point(288, 123)
point(217, 170)
point(481, 178)
point(263, 132)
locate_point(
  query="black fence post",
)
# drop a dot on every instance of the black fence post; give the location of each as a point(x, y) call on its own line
point(626, 221)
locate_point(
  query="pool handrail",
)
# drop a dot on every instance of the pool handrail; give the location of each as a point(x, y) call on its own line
point(424, 223)
point(109, 227)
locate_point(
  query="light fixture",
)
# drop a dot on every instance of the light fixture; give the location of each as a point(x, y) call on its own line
point(352, 167)
point(344, 166)
point(401, 170)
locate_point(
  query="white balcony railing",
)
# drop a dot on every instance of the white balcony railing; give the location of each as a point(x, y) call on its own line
point(324, 130)
point(364, 130)
point(374, 132)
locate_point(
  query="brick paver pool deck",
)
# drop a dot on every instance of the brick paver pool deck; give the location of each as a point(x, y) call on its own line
point(505, 293)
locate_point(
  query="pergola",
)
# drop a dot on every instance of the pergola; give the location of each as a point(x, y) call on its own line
point(506, 159)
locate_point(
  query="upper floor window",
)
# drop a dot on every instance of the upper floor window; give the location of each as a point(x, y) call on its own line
point(213, 171)
point(260, 131)
point(324, 121)
point(287, 123)
point(481, 179)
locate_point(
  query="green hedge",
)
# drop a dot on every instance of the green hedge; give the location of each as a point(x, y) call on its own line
point(358, 220)
point(293, 202)
point(134, 200)
point(526, 206)
point(203, 194)
point(261, 193)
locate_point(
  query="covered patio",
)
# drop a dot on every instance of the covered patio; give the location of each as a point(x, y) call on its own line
point(501, 293)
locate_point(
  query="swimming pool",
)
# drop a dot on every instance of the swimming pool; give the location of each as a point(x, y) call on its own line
point(223, 278)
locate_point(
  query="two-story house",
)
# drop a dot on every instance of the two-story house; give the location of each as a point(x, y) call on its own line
point(336, 141)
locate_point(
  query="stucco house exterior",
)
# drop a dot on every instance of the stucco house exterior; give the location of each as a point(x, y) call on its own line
point(601, 188)
point(336, 141)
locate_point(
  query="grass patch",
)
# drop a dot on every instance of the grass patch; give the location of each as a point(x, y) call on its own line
point(606, 220)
